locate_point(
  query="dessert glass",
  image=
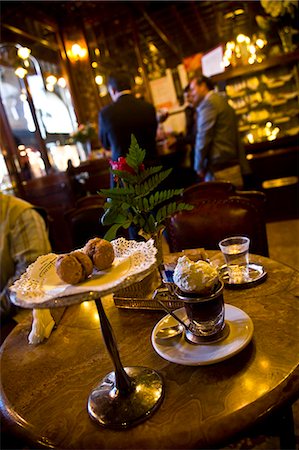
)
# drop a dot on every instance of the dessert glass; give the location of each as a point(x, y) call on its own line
point(205, 313)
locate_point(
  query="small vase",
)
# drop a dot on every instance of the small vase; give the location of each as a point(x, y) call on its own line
point(286, 37)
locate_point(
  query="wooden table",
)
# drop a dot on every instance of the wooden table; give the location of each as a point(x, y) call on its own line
point(45, 387)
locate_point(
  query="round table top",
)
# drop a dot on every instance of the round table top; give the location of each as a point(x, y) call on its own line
point(45, 387)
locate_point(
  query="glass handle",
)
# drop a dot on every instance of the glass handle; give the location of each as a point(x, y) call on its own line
point(122, 380)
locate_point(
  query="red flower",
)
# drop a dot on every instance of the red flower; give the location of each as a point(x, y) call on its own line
point(121, 164)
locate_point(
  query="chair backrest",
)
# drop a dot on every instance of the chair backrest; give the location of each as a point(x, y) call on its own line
point(94, 174)
point(84, 223)
point(219, 211)
point(90, 200)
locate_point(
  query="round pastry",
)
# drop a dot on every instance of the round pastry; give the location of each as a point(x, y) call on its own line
point(101, 253)
point(73, 267)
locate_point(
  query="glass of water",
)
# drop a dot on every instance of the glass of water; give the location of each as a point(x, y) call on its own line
point(236, 253)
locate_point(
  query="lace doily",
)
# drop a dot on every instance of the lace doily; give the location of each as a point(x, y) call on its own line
point(40, 286)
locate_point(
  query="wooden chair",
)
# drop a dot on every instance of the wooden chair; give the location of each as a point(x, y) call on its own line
point(94, 199)
point(94, 175)
point(84, 223)
point(219, 211)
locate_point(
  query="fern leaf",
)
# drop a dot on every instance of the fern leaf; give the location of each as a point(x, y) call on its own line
point(111, 233)
point(136, 154)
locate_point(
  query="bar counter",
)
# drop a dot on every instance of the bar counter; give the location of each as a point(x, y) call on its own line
point(45, 388)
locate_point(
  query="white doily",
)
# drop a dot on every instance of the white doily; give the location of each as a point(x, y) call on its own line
point(40, 286)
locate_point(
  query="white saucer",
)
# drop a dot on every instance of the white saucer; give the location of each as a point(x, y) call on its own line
point(178, 350)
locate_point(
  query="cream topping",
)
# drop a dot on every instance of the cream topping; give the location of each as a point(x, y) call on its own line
point(199, 276)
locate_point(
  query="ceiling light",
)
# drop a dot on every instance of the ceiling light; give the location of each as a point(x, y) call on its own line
point(50, 87)
point(77, 52)
point(24, 52)
point(138, 80)
point(51, 79)
point(61, 82)
point(20, 72)
point(99, 80)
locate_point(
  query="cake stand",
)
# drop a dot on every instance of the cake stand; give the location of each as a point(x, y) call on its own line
point(127, 395)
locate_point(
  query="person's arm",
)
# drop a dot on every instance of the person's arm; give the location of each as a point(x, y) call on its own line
point(29, 239)
point(206, 120)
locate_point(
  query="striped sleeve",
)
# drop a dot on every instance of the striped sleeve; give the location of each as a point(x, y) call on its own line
point(30, 238)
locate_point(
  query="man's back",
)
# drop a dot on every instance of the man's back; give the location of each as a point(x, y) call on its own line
point(218, 129)
point(127, 116)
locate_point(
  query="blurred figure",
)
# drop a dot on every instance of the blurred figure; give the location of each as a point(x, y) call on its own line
point(125, 116)
point(23, 237)
point(190, 114)
point(162, 115)
point(185, 143)
point(218, 153)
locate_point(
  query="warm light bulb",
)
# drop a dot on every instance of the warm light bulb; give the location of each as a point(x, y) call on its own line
point(99, 80)
point(50, 87)
point(24, 52)
point(51, 79)
point(94, 64)
point(260, 43)
point(20, 72)
point(230, 45)
point(226, 62)
point(61, 82)
point(76, 48)
point(250, 138)
point(77, 52)
point(83, 53)
point(152, 47)
point(241, 38)
point(103, 91)
point(138, 80)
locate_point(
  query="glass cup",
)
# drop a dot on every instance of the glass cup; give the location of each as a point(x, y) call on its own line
point(236, 253)
point(205, 314)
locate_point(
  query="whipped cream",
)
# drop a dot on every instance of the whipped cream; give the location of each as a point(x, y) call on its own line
point(198, 277)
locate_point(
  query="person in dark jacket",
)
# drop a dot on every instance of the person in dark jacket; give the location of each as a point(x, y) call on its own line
point(219, 153)
point(127, 115)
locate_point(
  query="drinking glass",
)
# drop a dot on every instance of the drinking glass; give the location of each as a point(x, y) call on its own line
point(205, 314)
point(236, 253)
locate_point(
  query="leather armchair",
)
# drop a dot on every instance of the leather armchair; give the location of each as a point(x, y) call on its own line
point(219, 211)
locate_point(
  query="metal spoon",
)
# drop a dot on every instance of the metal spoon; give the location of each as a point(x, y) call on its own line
point(170, 332)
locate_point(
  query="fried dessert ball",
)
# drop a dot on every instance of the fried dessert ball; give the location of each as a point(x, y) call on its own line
point(101, 253)
point(73, 267)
